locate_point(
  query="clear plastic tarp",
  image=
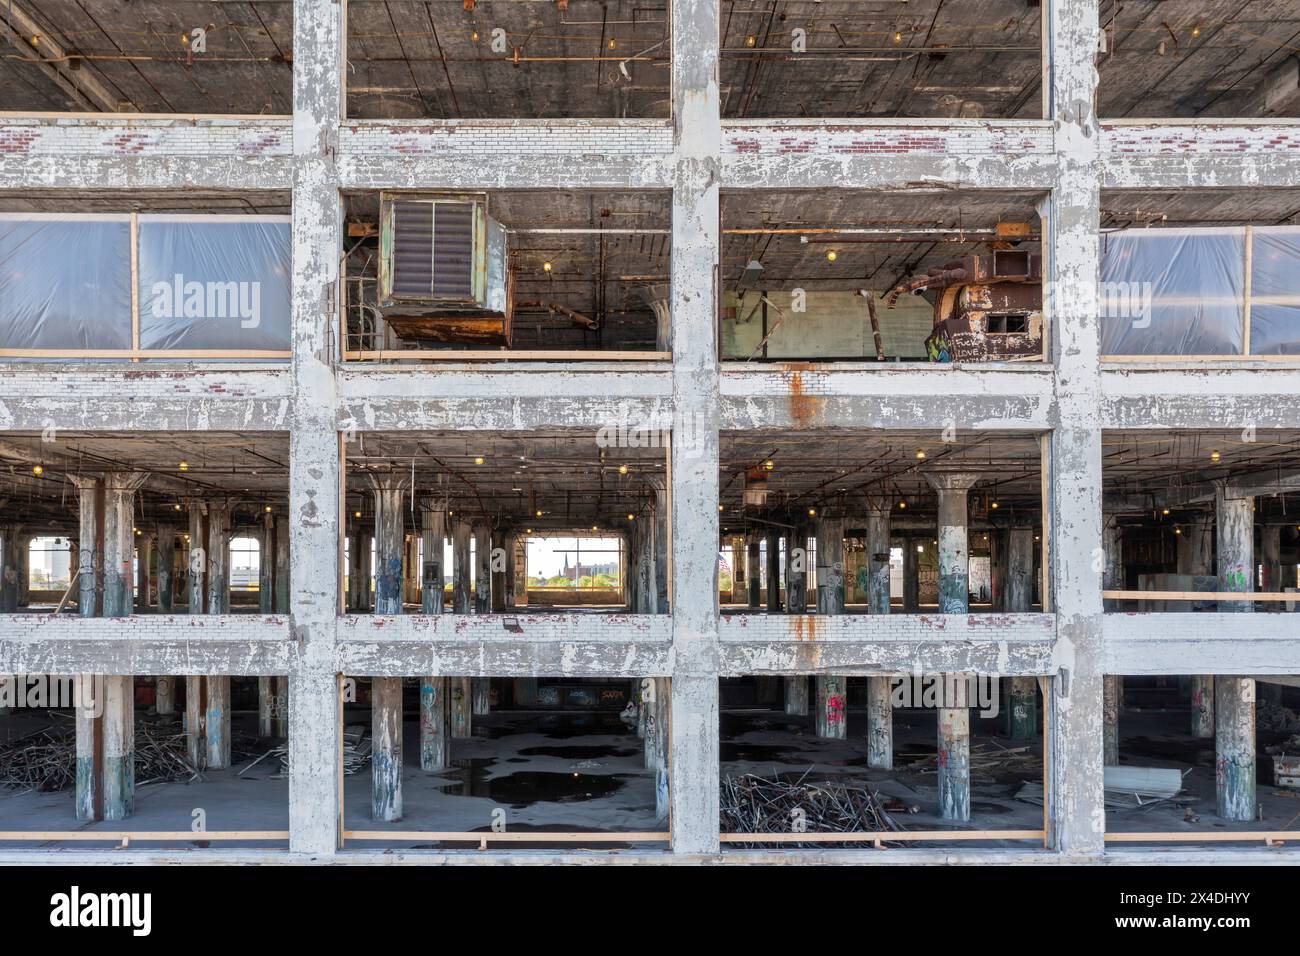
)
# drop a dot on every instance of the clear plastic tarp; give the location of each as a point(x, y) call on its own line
point(214, 282)
point(1173, 292)
point(65, 281)
point(1275, 291)
point(205, 283)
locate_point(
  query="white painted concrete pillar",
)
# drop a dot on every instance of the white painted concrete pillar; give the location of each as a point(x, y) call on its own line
point(696, 241)
point(1112, 543)
point(89, 785)
point(461, 593)
point(1073, 448)
point(880, 709)
point(1022, 716)
point(119, 690)
point(832, 694)
point(1234, 697)
point(217, 725)
point(954, 598)
point(319, 60)
point(435, 710)
point(386, 762)
point(797, 695)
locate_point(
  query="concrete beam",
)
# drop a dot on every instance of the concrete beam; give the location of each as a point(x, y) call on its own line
point(514, 154)
point(1198, 154)
point(887, 154)
point(1259, 394)
point(77, 152)
point(175, 397)
point(809, 395)
point(1192, 643)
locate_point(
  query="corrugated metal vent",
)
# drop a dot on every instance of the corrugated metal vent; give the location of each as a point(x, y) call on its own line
point(412, 248)
point(453, 250)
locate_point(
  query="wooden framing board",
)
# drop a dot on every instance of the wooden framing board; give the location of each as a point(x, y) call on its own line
point(518, 836)
point(1201, 596)
point(135, 354)
point(1245, 836)
point(127, 836)
point(503, 355)
point(885, 836)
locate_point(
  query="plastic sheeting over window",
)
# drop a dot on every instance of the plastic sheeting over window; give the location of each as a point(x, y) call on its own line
point(1173, 292)
point(206, 286)
point(1275, 291)
point(1187, 292)
point(65, 282)
point(214, 282)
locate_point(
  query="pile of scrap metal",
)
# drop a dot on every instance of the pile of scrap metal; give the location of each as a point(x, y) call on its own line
point(986, 308)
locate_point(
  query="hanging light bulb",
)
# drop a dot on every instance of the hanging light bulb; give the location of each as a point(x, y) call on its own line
point(832, 255)
point(38, 470)
point(622, 469)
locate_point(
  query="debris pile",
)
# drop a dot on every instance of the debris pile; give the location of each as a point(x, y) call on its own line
point(1274, 718)
point(753, 804)
point(46, 761)
point(988, 761)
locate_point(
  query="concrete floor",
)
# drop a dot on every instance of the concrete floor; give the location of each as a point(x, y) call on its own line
point(585, 772)
point(546, 771)
point(259, 800)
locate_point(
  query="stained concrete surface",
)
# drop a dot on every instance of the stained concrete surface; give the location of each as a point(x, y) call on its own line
point(543, 771)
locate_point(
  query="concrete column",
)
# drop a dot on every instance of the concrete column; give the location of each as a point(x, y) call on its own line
point(354, 567)
point(880, 710)
point(23, 561)
point(386, 764)
point(796, 602)
point(144, 569)
point(89, 754)
point(1022, 714)
point(119, 690)
point(1072, 460)
point(461, 706)
point(509, 542)
point(954, 598)
point(89, 557)
point(1234, 697)
point(217, 725)
point(753, 554)
point(483, 567)
point(461, 593)
point(1271, 544)
point(739, 559)
point(954, 750)
point(662, 546)
point(1112, 689)
point(367, 544)
point(319, 61)
point(694, 295)
point(266, 564)
point(482, 696)
point(773, 571)
point(89, 787)
point(119, 746)
point(1195, 556)
point(1112, 542)
point(164, 697)
point(911, 577)
point(832, 699)
point(435, 709)
point(386, 692)
point(390, 538)
point(266, 691)
point(166, 568)
point(10, 574)
point(196, 711)
point(282, 537)
point(435, 724)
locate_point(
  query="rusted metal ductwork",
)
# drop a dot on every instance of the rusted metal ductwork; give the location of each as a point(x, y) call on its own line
point(986, 308)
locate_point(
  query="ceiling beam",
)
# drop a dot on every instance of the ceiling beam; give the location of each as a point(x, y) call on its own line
point(82, 86)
